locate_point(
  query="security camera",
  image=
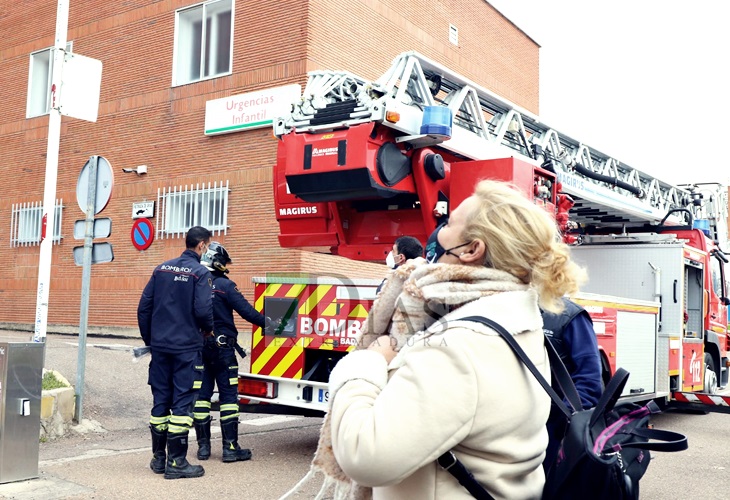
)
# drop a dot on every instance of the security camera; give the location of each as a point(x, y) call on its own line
point(140, 170)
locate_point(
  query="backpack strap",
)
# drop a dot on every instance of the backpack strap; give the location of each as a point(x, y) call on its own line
point(556, 365)
point(449, 462)
point(610, 395)
point(562, 377)
point(671, 441)
point(453, 465)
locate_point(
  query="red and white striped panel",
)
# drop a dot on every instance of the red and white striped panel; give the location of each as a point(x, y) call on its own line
point(694, 397)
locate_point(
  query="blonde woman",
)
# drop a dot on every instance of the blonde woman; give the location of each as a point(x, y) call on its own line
point(457, 385)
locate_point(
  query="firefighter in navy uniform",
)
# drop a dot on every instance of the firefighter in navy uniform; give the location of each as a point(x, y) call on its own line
point(571, 333)
point(219, 358)
point(174, 314)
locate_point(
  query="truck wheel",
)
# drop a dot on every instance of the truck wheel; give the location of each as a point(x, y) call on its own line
point(710, 375)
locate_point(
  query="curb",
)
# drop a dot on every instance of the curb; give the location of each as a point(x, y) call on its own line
point(57, 409)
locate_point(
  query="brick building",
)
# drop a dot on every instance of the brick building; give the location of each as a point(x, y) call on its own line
point(161, 65)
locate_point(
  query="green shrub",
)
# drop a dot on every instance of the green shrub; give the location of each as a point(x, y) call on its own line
point(50, 381)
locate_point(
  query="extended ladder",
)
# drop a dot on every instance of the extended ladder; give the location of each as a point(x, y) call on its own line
point(606, 191)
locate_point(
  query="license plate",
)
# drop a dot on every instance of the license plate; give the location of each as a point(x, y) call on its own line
point(324, 396)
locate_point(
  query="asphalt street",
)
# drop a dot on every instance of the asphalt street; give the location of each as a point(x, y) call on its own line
point(107, 456)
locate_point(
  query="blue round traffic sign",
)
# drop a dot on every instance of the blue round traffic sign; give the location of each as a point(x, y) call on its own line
point(142, 234)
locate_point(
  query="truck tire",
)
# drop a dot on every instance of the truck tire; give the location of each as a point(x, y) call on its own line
point(710, 375)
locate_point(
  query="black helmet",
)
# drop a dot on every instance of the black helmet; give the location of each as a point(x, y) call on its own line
point(216, 258)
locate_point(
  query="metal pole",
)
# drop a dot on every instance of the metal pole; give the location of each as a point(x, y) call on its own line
point(85, 287)
point(49, 192)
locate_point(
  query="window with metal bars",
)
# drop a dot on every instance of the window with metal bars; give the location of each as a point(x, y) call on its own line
point(26, 223)
point(183, 207)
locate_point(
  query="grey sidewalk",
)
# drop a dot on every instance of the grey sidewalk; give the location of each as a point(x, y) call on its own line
point(108, 457)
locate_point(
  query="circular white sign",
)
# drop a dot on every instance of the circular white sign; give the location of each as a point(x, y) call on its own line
point(104, 185)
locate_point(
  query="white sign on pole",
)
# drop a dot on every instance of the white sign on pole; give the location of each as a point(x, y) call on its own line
point(100, 253)
point(249, 111)
point(81, 87)
point(102, 228)
point(104, 185)
point(143, 209)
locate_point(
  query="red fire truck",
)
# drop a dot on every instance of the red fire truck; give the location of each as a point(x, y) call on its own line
point(361, 163)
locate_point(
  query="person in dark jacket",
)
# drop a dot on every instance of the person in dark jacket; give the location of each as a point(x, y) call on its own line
point(404, 248)
point(174, 314)
point(219, 359)
point(571, 333)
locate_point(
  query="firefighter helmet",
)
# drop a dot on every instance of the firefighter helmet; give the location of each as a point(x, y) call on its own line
point(216, 258)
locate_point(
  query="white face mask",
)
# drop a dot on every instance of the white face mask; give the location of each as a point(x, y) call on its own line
point(390, 260)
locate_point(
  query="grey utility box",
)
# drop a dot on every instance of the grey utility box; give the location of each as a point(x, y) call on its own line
point(21, 379)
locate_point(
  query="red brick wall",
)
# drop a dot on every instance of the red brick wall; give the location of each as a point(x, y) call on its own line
point(144, 120)
point(363, 36)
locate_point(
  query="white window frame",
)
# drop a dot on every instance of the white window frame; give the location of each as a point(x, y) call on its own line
point(40, 75)
point(182, 207)
point(208, 11)
point(26, 223)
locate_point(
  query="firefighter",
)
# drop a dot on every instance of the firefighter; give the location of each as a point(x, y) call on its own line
point(571, 333)
point(175, 312)
point(219, 359)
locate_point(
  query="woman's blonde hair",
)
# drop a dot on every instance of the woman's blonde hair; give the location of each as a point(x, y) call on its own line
point(523, 240)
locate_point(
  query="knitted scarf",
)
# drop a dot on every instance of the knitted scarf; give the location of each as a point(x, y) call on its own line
point(414, 297)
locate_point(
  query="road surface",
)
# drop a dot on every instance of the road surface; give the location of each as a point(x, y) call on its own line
point(108, 456)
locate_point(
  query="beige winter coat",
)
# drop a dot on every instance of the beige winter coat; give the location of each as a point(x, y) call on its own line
point(456, 386)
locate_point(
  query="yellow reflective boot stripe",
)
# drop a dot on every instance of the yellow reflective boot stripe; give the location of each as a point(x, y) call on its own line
point(229, 407)
point(201, 403)
point(182, 420)
point(229, 417)
point(159, 420)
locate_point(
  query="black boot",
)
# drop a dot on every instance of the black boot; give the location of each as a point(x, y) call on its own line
point(231, 451)
point(177, 465)
point(159, 442)
point(202, 432)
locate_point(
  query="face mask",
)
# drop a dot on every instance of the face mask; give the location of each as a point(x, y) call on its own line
point(434, 251)
point(390, 260)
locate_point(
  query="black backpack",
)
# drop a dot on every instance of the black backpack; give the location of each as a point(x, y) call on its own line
point(605, 450)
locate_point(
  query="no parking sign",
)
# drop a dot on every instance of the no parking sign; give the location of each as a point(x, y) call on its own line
point(142, 234)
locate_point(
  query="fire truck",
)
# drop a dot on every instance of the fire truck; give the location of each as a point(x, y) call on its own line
point(361, 162)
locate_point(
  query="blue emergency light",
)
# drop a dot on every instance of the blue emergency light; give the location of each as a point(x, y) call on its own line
point(703, 225)
point(437, 120)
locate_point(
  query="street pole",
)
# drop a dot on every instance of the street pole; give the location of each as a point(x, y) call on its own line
point(86, 287)
point(49, 192)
